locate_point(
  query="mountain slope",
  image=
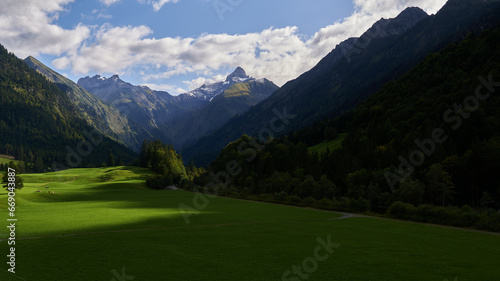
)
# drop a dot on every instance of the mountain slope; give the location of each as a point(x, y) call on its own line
point(38, 122)
point(152, 110)
point(236, 99)
point(430, 137)
point(356, 69)
point(95, 111)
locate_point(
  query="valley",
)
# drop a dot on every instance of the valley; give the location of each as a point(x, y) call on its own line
point(90, 228)
point(140, 141)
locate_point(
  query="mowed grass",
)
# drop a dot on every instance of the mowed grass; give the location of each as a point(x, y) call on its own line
point(106, 222)
point(328, 145)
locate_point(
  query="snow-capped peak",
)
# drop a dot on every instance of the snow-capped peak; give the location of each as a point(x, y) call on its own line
point(238, 75)
point(208, 92)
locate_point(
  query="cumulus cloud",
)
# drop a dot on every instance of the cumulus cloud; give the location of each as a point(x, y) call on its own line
point(157, 5)
point(278, 51)
point(172, 89)
point(109, 2)
point(198, 82)
point(279, 54)
point(26, 28)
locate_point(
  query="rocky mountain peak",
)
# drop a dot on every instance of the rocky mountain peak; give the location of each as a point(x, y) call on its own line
point(388, 27)
point(239, 75)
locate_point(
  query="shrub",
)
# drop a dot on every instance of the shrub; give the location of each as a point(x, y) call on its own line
point(424, 213)
point(159, 182)
point(294, 199)
point(308, 202)
point(280, 196)
point(325, 203)
point(402, 210)
point(359, 205)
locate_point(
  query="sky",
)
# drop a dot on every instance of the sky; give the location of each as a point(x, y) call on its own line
point(179, 45)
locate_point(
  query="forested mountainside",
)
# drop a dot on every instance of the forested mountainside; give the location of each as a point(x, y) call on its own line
point(430, 137)
point(40, 126)
point(354, 70)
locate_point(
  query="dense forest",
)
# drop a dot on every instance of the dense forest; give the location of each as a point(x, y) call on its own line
point(431, 138)
point(42, 128)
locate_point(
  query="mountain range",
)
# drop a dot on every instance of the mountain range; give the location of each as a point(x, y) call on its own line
point(203, 121)
point(355, 69)
point(182, 119)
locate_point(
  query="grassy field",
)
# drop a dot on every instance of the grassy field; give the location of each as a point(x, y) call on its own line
point(331, 145)
point(104, 224)
point(4, 160)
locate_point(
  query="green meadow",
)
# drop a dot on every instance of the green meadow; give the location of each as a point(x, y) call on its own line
point(4, 160)
point(105, 224)
point(328, 145)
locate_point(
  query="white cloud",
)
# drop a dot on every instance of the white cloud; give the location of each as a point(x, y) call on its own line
point(279, 54)
point(172, 89)
point(26, 28)
point(198, 82)
point(282, 53)
point(157, 5)
point(109, 2)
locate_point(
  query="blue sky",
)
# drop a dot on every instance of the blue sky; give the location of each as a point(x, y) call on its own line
point(177, 45)
point(191, 18)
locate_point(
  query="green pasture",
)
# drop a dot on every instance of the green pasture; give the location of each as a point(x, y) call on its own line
point(4, 160)
point(328, 145)
point(105, 224)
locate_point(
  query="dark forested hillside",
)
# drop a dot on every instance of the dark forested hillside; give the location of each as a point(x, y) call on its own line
point(431, 137)
point(356, 69)
point(99, 114)
point(40, 126)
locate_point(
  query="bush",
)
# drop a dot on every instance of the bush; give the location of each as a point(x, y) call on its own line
point(401, 210)
point(467, 217)
point(442, 215)
point(266, 197)
point(280, 196)
point(294, 199)
point(460, 217)
point(424, 213)
point(325, 203)
point(359, 205)
point(486, 222)
point(159, 182)
point(308, 202)
point(342, 204)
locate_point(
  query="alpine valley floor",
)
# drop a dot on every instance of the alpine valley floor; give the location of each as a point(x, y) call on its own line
point(105, 224)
